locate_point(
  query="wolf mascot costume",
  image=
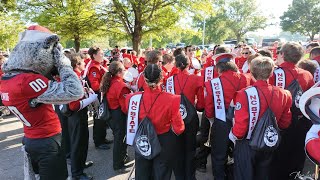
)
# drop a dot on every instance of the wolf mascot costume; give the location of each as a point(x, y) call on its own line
point(28, 92)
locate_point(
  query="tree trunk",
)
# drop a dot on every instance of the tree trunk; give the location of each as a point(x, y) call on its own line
point(77, 43)
point(137, 35)
point(238, 38)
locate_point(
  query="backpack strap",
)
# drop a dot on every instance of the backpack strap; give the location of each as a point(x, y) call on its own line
point(265, 96)
point(151, 104)
point(183, 85)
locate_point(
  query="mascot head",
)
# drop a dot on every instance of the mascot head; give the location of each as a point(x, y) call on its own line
point(34, 51)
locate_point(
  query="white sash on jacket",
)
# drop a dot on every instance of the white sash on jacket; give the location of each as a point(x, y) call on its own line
point(170, 85)
point(280, 78)
point(217, 93)
point(132, 119)
point(254, 108)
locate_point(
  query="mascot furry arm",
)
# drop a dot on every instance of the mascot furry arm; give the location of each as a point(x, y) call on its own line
point(39, 51)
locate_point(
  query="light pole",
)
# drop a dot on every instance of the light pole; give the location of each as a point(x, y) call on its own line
point(203, 33)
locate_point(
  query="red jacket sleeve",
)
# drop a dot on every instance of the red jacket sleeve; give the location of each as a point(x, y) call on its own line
point(75, 105)
point(241, 116)
point(286, 117)
point(176, 121)
point(95, 78)
point(313, 149)
point(209, 106)
point(122, 99)
point(200, 93)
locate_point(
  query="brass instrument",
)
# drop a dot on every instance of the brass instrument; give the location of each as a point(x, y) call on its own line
point(94, 106)
point(208, 143)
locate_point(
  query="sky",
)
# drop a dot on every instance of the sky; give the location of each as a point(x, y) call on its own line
point(275, 8)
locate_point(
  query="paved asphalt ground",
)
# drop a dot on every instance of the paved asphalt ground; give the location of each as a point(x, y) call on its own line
point(11, 164)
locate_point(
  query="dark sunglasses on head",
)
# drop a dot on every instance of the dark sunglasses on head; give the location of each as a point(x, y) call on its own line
point(193, 49)
point(245, 53)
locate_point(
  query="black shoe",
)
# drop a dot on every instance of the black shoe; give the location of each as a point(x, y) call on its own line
point(88, 164)
point(83, 176)
point(202, 168)
point(123, 170)
point(103, 147)
point(108, 141)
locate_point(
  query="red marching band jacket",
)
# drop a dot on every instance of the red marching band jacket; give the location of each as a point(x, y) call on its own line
point(117, 93)
point(229, 90)
point(193, 88)
point(281, 107)
point(95, 73)
point(163, 115)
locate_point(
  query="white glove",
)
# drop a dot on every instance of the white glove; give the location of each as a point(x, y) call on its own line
point(85, 102)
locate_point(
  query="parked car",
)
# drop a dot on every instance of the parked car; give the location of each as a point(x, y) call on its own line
point(181, 45)
point(270, 41)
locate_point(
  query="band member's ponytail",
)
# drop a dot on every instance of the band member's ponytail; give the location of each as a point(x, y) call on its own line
point(153, 75)
point(114, 69)
point(182, 61)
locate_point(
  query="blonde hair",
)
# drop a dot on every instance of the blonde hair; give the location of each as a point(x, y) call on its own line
point(261, 68)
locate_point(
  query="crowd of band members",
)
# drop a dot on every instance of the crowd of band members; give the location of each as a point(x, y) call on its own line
point(180, 141)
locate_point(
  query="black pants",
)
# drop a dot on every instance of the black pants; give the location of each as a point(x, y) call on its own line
point(250, 164)
point(202, 137)
point(79, 138)
point(160, 168)
point(219, 148)
point(289, 159)
point(118, 126)
point(65, 142)
point(47, 157)
point(99, 131)
point(184, 167)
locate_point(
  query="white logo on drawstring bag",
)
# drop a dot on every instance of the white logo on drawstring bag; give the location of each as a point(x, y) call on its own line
point(271, 136)
point(183, 111)
point(143, 145)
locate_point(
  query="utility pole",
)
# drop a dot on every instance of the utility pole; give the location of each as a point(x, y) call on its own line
point(203, 33)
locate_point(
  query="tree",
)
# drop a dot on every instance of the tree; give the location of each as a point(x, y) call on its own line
point(302, 16)
point(138, 18)
point(72, 19)
point(243, 16)
point(10, 27)
point(7, 5)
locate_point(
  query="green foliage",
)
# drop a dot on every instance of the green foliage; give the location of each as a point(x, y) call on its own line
point(72, 19)
point(10, 27)
point(7, 5)
point(243, 16)
point(302, 16)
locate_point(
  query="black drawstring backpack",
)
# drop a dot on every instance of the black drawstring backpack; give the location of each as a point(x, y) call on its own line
point(296, 92)
point(103, 113)
point(146, 142)
point(187, 109)
point(230, 110)
point(266, 134)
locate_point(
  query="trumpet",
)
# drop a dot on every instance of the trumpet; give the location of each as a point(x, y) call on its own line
point(208, 143)
point(94, 106)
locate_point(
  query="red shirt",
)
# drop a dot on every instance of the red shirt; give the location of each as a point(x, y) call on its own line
point(193, 88)
point(281, 103)
point(174, 71)
point(304, 77)
point(95, 74)
point(116, 94)
point(163, 115)
point(240, 61)
point(39, 122)
point(209, 62)
point(238, 81)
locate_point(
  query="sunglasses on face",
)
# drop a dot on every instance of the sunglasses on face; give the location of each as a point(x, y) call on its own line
point(245, 53)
